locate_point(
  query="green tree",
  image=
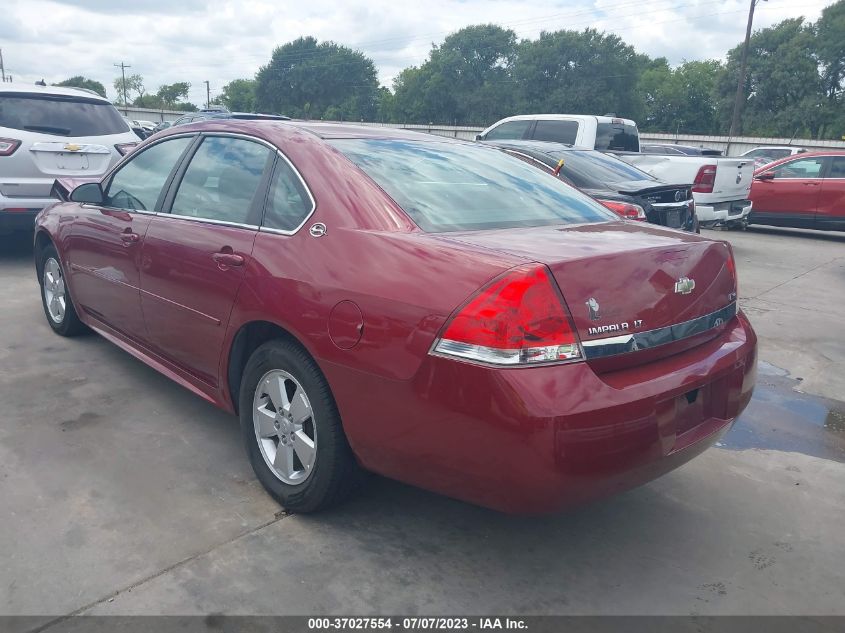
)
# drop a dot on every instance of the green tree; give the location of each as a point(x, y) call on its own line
point(134, 85)
point(239, 95)
point(784, 87)
point(830, 44)
point(466, 80)
point(305, 78)
point(680, 99)
point(171, 94)
point(579, 72)
point(79, 81)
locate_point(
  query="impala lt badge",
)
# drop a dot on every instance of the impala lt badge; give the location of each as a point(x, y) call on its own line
point(684, 286)
point(593, 307)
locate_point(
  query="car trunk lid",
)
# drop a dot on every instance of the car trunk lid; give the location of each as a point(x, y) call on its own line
point(621, 280)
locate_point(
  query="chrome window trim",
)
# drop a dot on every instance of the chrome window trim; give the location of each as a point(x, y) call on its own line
point(638, 341)
point(267, 229)
point(241, 225)
point(278, 152)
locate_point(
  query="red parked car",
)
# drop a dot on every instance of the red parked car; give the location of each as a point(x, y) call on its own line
point(805, 191)
point(432, 310)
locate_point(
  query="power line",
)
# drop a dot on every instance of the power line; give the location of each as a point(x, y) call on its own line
point(123, 68)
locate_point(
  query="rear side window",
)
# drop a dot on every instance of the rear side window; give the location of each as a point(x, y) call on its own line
point(556, 131)
point(447, 186)
point(508, 131)
point(222, 180)
point(59, 115)
point(837, 167)
point(137, 184)
point(589, 169)
point(802, 168)
point(288, 203)
point(622, 137)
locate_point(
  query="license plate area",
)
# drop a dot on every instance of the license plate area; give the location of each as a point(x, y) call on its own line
point(673, 218)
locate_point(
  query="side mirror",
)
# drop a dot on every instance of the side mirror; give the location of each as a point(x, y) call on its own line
point(766, 175)
point(479, 137)
point(89, 192)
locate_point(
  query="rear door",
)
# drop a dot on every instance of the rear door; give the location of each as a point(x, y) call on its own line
point(104, 248)
point(791, 197)
point(195, 255)
point(557, 131)
point(830, 211)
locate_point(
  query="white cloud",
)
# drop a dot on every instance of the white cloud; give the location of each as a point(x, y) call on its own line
point(220, 40)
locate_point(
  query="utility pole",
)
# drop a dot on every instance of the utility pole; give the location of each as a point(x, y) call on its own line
point(207, 95)
point(740, 84)
point(2, 68)
point(123, 68)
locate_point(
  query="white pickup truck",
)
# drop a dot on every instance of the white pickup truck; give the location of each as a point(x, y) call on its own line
point(720, 185)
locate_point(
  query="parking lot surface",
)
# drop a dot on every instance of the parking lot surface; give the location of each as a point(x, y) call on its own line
point(122, 493)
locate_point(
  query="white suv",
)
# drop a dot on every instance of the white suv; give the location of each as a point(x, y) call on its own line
point(47, 133)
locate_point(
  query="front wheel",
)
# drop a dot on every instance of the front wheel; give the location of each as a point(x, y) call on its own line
point(55, 297)
point(292, 429)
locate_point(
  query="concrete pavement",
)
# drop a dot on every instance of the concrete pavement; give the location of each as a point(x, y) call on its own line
point(123, 493)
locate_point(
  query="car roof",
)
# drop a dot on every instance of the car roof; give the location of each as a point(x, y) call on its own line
point(543, 147)
point(270, 128)
point(59, 91)
point(566, 117)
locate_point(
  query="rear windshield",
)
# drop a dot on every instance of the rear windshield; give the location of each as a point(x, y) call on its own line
point(622, 137)
point(59, 115)
point(456, 186)
point(593, 170)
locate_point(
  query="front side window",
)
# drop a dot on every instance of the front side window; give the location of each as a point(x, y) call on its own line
point(137, 184)
point(803, 168)
point(288, 203)
point(508, 131)
point(221, 182)
point(60, 115)
point(446, 186)
point(556, 131)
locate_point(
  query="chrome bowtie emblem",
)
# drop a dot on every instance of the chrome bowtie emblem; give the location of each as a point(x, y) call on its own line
point(593, 307)
point(684, 286)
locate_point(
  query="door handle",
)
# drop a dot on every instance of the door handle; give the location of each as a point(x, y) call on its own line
point(811, 184)
point(225, 260)
point(129, 238)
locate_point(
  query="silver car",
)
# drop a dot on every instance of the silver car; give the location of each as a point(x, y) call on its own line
point(46, 133)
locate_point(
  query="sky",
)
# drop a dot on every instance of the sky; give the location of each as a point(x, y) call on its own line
point(220, 40)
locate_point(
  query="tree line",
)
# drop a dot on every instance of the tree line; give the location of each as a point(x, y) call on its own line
point(795, 84)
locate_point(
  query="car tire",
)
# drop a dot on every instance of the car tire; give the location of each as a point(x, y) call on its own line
point(55, 295)
point(292, 430)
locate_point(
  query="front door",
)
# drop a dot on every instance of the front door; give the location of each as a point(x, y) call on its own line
point(194, 257)
point(791, 197)
point(104, 248)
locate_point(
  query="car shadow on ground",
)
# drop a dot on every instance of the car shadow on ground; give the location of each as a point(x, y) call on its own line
point(16, 247)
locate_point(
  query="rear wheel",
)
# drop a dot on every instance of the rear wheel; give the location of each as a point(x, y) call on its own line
point(55, 296)
point(292, 430)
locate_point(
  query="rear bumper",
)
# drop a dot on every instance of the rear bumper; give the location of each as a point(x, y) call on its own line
point(720, 212)
point(540, 439)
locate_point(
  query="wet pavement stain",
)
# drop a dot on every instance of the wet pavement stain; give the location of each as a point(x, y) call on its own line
point(781, 418)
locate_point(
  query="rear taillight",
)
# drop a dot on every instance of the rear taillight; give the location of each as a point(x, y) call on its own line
point(8, 146)
point(731, 265)
point(518, 319)
point(124, 148)
point(704, 179)
point(625, 209)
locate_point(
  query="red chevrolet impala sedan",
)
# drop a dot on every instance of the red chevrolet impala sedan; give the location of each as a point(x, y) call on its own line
point(432, 310)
